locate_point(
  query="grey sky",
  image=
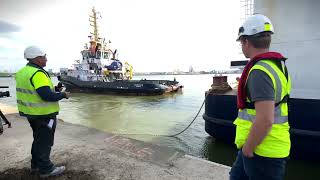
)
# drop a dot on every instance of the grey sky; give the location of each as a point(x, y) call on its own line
point(6, 27)
point(16, 10)
point(152, 35)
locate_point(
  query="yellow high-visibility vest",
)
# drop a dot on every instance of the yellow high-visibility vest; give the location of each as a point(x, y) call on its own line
point(277, 143)
point(28, 100)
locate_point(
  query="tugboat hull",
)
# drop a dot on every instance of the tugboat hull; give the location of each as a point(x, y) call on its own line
point(121, 87)
point(304, 120)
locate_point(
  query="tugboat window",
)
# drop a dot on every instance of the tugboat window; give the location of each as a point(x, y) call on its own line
point(105, 55)
point(91, 55)
point(98, 54)
point(85, 54)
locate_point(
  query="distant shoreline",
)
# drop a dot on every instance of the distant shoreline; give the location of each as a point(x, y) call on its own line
point(147, 74)
point(3, 74)
point(157, 74)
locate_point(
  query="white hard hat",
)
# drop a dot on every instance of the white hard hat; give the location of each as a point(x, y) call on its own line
point(32, 52)
point(255, 24)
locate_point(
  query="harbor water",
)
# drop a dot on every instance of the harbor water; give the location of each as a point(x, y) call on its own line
point(146, 118)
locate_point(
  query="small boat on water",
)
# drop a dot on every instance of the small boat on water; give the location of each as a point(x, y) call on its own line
point(304, 103)
point(100, 71)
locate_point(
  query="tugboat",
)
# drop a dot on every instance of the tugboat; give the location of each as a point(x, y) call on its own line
point(99, 71)
point(304, 103)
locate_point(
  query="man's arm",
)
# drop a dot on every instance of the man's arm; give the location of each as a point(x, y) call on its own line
point(261, 126)
point(42, 85)
point(47, 94)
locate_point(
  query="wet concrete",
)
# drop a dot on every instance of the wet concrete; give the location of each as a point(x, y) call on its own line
point(24, 174)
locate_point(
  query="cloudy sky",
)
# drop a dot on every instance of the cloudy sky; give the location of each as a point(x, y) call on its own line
point(152, 35)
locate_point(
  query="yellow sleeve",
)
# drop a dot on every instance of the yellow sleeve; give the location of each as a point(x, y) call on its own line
point(40, 79)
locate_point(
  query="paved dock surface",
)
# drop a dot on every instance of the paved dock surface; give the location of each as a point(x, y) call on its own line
point(92, 154)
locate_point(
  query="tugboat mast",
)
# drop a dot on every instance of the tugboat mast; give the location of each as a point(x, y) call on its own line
point(93, 23)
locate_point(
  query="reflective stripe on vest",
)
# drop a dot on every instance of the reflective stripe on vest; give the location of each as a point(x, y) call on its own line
point(26, 91)
point(31, 104)
point(278, 119)
point(278, 85)
point(28, 100)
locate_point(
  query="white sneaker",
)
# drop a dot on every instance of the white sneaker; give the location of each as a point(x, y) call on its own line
point(55, 172)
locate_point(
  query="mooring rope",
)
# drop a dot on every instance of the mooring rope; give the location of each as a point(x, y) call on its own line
point(214, 89)
point(166, 135)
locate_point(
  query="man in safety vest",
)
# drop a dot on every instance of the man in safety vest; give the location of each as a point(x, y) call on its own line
point(262, 129)
point(38, 102)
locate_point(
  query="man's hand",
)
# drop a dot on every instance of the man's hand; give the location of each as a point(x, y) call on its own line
point(247, 152)
point(66, 94)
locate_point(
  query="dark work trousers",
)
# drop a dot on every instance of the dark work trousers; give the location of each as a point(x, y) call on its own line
point(43, 137)
point(257, 168)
